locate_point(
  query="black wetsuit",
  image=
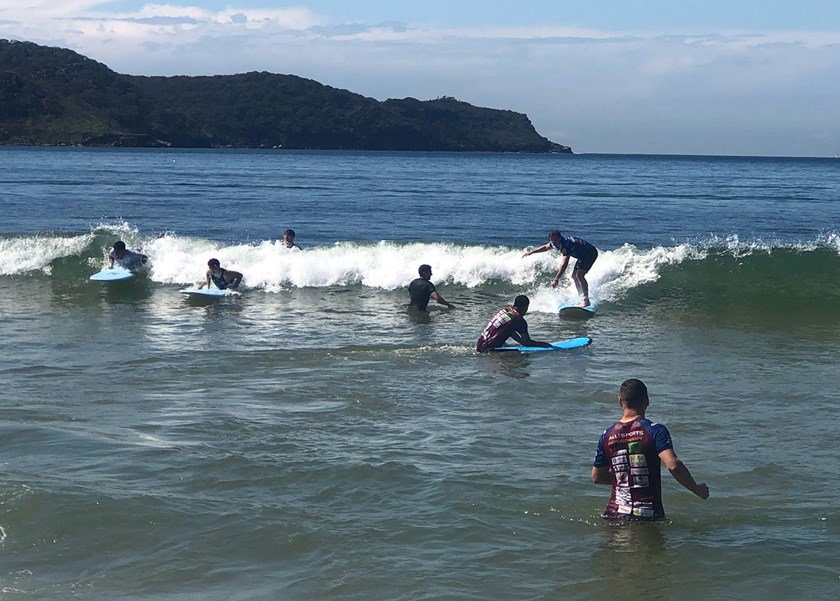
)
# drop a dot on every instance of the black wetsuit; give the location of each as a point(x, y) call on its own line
point(420, 290)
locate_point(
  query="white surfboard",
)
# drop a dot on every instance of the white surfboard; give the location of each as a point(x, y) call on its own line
point(112, 275)
point(204, 292)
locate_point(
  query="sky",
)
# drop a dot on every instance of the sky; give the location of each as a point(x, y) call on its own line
point(724, 77)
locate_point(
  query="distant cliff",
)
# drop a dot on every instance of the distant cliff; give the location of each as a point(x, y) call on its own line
point(57, 96)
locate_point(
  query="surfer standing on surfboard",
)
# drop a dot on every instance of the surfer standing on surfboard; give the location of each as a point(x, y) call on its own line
point(571, 246)
point(224, 279)
point(127, 259)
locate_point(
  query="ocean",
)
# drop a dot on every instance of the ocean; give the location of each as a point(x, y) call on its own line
point(311, 439)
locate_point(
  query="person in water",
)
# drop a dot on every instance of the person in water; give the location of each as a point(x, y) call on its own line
point(224, 279)
point(508, 323)
point(421, 290)
point(289, 239)
point(629, 456)
point(570, 246)
point(125, 258)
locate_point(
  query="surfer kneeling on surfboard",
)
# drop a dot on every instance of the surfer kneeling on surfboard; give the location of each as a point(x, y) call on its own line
point(508, 323)
point(224, 279)
point(571, 246)
point(127, 259)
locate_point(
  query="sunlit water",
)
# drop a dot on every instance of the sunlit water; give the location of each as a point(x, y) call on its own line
point(310, 438)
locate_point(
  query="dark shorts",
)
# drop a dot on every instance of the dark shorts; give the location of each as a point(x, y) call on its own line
point(585, 263)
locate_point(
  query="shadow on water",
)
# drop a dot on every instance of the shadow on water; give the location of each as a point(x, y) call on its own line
point(418, 317)
point(76, 292)
point(632, 558)
point(127, 291)
point(510, 364)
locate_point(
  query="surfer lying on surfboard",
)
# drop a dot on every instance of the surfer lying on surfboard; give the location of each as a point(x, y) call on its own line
point(127, 259)
point(224, 279)
point(508, 323)
point(570, 246)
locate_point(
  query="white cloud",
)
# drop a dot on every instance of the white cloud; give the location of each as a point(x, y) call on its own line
point(596, 90)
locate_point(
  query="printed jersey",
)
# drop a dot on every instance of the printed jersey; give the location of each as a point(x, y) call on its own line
point(420, 290)
point(501, 327)
point(631, 450)
point(577, 248)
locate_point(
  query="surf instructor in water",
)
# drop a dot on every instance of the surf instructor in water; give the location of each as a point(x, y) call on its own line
point(629, 456)
point(421, 289)
point(570, 246)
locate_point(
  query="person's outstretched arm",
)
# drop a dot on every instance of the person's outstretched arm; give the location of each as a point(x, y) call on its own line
point(539, 249)
point(439, 299)
point(560, 271)
point(681, 474)
point(525, 340)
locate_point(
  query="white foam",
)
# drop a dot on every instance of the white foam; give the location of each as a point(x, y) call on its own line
point(270, 266)
point(386, 265)
point(23, 254)
point(390, 266)
point(614, 273)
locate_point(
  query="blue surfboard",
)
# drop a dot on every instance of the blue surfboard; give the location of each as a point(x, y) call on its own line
point(112, 275)
point(576, 312)
point(562, 345)
point(204, 292)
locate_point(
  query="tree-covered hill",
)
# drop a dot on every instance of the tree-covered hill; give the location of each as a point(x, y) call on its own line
point(57, 96)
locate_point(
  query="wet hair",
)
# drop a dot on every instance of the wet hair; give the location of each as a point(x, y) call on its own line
point(289, 232)
point(553, 233)
point(119, 245)
point(521, 301)
point(424, 269)
point(213, 263)
point(634, 393)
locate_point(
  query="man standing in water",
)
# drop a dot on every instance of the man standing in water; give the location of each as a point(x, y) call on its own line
point(508, 323)
point(570, 246)
point(421, 290)
point(629, 456)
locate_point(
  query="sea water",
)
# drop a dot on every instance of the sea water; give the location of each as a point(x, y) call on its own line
point(310, 438)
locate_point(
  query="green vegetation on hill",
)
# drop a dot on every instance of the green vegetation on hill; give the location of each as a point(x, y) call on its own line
point(56, 96)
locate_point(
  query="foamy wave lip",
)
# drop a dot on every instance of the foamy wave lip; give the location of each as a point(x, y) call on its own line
point(387, 265)
point(832, 240)
point(738, 248)
point(23, 254)
point(614, 273)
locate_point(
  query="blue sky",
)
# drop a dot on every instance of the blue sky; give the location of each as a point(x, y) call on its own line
point(743, 77)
